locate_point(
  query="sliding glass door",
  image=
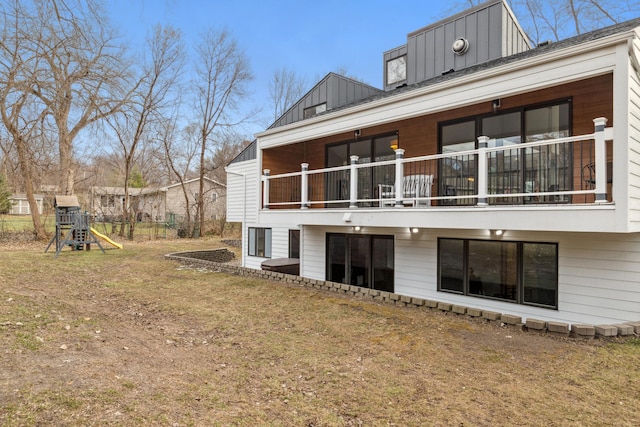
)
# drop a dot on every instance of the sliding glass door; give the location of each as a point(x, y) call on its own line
point(512, 169)
point(368, 150)
point(361, 260)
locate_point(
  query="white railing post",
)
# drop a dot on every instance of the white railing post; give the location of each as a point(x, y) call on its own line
point(353, 189)
point(601, 160)
point(399, 185)
point(265, 189)
point(483, 142)
point(304, 182)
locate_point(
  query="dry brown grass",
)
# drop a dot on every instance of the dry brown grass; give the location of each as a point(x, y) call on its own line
point(128, 338)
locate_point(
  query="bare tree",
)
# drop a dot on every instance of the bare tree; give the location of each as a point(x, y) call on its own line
point(180, 155)
point(72, 65)
point(16, 105)
point(285, 88)
point(151, 96)
point(556, 20)
point(222, 73)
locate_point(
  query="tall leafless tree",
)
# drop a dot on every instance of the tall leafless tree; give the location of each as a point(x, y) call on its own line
point(220, 81)
point(19, 117)
point(556, 20)
point(180, 157)
point(76, 68)
point(153, 94)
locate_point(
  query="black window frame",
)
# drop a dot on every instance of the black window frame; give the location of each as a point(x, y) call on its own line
point(389, 280)
point(519, 292)
point(478, 118)
point(366, 182)
point(294, 243)
point(260, 251)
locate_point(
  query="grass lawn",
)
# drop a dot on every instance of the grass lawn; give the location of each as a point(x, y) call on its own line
point(129, 338)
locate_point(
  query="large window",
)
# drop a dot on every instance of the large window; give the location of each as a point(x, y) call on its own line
point(513, 170)
point(260, 242)
point(368, 150)
point(361, 260)
point(519, 272)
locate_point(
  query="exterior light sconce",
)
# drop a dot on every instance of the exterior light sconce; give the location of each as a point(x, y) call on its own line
point(414, 230)
point(356, 228)
point(393, 144)
point(496, 233)
point(356, 134)
point(495, 105)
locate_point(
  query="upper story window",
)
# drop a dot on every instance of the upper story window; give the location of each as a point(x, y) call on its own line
point(316, 109)
point(513, 170)
point(397, 70)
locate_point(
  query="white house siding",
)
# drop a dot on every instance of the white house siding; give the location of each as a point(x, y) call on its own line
point(599, 276)
point(279, 245)
point(634, 145)
point(242, 205)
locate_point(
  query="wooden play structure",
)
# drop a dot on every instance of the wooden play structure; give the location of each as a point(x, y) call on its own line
point(73, 228)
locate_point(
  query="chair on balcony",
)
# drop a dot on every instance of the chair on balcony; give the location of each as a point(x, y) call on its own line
point(414, 189)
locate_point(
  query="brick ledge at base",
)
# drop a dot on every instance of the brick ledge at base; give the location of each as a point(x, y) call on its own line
point(554, 328)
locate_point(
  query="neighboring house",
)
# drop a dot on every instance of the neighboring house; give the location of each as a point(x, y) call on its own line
point(106, 203)
point(159, 204)
point(20, 204)
point(168, 203)
point(487, 173)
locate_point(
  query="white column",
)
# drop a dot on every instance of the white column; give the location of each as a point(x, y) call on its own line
point(265, 189)
point(353, 189)
point(601, 160)
point(399, 185)
point(304, 182)
point(483, 142)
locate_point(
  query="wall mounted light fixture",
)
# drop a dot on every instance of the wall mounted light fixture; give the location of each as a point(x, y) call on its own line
point(414, 230)
point(356, 228)
point(495, 105)
point(496, 233)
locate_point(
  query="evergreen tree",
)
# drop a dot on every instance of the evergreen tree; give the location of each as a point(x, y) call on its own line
point(5, 196)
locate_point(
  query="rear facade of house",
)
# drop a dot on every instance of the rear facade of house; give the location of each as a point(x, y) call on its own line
point(486, 173)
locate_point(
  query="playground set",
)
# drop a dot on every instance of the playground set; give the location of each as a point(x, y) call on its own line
point(73, 227)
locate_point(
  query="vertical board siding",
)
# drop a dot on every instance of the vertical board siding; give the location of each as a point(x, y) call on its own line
point(325, 91)
point(491, 32)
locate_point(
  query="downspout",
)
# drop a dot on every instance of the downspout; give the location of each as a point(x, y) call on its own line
point(244, 205)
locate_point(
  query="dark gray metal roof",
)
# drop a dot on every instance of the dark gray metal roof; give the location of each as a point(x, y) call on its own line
point(333, 90)
point(249, 153)
point(563, 44)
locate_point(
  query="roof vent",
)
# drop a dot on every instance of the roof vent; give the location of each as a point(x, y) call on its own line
point(545, 43)
point(460, 46)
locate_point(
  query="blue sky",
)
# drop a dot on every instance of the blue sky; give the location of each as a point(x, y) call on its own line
point(310, 38)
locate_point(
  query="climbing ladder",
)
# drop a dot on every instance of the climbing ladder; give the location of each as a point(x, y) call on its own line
point(73, 228)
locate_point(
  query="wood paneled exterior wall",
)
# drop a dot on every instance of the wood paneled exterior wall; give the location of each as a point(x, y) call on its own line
point(418, 136)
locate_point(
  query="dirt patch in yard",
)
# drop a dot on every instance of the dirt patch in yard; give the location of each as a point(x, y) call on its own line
point(128, 338)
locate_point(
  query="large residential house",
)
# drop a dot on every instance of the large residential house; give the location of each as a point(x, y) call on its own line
point(487, 173)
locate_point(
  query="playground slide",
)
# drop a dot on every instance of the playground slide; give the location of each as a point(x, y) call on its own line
point(103, 237)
